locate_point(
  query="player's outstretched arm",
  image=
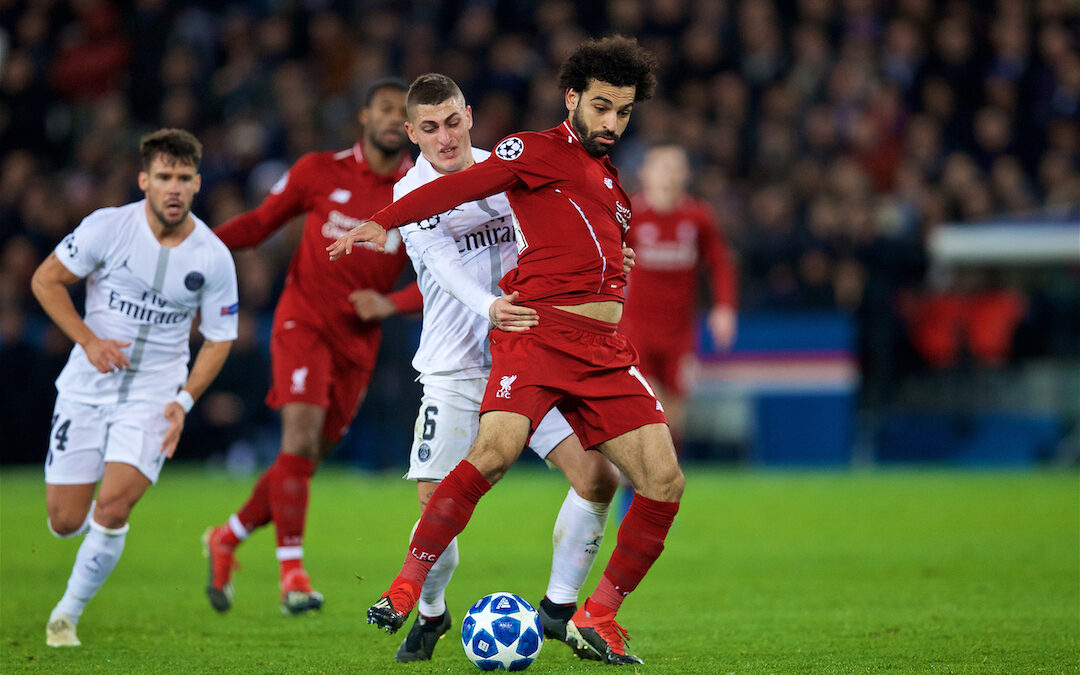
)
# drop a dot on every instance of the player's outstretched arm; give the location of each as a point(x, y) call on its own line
point(208, 363)
point(49, 284)
point(478, 181)
point(366, 231)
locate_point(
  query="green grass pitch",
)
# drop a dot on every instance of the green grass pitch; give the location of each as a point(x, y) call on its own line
point(849, 572)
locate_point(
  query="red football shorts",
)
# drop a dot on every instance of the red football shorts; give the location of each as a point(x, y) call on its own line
point(583, 366)
point(667, 364)
point(307, 369)
point(665, 357)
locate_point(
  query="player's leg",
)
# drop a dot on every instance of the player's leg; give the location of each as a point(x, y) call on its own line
point(285, 483)
point(220, 542)
point(73, 466)
point(289, 369)
point(671, 384)
point(302, 449)
point(69, 509)
point(445, 425)
point(312, 425)
point(647, 457)
point(432, 617)
point(500, 440)
point(579, 526)
point(132, 462)
point(664, 365)
point(301, 373)
point(121, 488)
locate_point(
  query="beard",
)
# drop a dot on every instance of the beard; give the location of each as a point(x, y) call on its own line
point(387, 148)
point(170, 224)
point(588, 141)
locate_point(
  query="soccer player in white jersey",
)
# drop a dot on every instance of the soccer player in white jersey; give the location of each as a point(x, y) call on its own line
point(124, 394)
point(458, 266)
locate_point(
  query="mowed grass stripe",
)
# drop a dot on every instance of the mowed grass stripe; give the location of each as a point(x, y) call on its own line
point(764, 572)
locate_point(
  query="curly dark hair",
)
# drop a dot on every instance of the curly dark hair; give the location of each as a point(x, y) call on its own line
point(617, 60)
point(179, 144)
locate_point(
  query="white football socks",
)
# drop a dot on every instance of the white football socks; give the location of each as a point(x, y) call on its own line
point(579, 529)
point(96, 559)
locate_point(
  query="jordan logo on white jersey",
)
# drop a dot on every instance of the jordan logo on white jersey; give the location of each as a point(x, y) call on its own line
point(299, 380)
point(504, 386)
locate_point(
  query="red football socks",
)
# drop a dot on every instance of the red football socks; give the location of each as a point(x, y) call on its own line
point(290, 486)
point(256, 511)
point(447, 513)
point(640, 541)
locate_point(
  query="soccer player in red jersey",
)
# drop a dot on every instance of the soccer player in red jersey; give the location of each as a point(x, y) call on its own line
point(322, 352)
point(674, 236)
point(571, 216)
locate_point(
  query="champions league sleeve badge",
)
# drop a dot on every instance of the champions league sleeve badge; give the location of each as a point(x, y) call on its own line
point(510, 148)
point(69, 243)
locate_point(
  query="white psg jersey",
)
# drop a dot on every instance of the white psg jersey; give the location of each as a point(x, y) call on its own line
point(140, 292)
point(465, 251)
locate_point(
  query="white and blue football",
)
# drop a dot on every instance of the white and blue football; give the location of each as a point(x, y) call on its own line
point(502, 632)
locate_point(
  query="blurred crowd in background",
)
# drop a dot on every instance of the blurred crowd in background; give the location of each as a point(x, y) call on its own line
point(829, 136)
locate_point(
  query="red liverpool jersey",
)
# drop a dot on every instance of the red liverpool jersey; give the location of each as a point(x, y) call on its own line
point(570, 214)
point(338, 191)
point(663, 285)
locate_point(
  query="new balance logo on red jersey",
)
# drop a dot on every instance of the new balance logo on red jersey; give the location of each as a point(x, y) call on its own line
point(504, 386)
point(340, 196)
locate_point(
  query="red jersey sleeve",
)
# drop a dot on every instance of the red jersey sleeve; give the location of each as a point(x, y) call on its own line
point(444, 193)
point(528, 155)
point(721, 267)
point(408, 300)
point(287, 199)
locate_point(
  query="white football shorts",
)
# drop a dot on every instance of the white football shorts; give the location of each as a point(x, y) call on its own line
point(84, 437)
point(448, 421)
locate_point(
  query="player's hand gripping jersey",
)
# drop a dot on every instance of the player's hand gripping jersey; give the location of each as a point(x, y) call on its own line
point(141, 292)
point(338, 191)
point(570, 212)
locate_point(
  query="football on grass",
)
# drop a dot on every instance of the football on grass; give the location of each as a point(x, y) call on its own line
point(502, 631)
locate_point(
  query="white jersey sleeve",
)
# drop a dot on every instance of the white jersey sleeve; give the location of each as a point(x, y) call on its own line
point(87, 246)
point(436, 249)
point(219, 308)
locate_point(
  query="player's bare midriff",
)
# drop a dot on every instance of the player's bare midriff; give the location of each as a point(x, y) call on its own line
point(606, 310)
